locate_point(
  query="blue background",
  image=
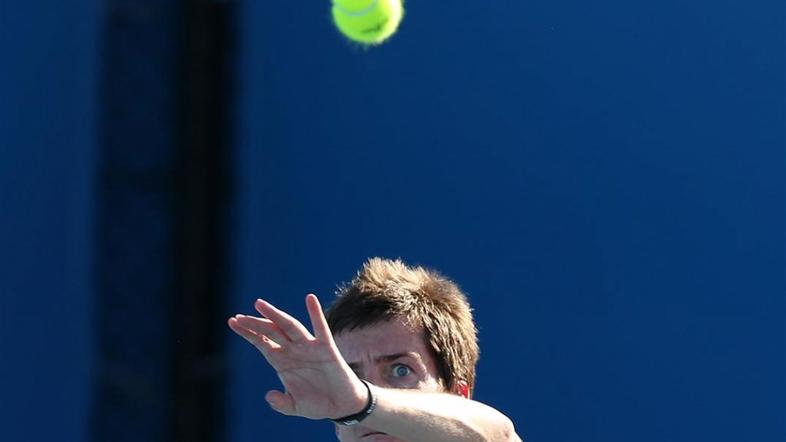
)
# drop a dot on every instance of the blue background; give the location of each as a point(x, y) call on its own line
point(605, 180)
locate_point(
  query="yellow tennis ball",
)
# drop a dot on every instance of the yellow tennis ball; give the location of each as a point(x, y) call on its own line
point(368, 22)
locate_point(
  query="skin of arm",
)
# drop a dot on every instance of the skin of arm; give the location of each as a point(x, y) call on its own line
point(417, 416)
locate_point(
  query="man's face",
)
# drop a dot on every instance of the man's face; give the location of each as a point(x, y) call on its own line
point(390, 355)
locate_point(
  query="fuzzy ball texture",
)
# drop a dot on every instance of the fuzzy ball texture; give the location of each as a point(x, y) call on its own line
point(368, 22)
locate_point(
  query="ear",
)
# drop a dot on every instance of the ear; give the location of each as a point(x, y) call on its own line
point(462, 389)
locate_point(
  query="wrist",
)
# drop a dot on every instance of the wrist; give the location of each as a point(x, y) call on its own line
point(360, 396)
point(369, 403)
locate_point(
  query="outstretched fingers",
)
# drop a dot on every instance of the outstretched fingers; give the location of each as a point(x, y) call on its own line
point(262, 326)
point(260, 341)
point(291, 327)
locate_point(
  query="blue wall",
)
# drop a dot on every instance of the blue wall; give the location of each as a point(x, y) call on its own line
point(605, 180)
point(47, 143)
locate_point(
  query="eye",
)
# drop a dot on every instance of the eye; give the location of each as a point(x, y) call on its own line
point(401, 370)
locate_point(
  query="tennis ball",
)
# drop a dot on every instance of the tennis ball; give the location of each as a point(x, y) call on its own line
point(368, 22)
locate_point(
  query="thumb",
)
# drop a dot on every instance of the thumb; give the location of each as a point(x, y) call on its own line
point(281, 402)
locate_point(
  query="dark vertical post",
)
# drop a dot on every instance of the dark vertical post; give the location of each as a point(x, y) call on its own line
point(136, 255)
point(162, 195)
point(199, 309)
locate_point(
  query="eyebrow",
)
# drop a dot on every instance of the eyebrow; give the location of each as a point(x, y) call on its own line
point(385, 358)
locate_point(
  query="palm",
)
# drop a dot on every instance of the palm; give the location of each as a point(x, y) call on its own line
point(308, 373)
point(317, 380)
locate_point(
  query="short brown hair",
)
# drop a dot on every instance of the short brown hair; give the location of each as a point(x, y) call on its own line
point(387, 289)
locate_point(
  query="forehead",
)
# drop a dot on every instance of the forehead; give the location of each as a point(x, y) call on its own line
point(387, 337)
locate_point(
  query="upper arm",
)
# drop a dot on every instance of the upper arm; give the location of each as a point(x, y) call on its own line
point(509, 430)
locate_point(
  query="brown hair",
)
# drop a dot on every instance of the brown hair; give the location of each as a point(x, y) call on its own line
point(387, 289)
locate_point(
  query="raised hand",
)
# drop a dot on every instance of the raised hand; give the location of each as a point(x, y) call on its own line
point(318, 382)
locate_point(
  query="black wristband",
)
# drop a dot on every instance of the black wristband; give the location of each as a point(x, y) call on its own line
point(353, 419)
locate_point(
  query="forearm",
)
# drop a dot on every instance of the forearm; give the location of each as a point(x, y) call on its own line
point(435, 417)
